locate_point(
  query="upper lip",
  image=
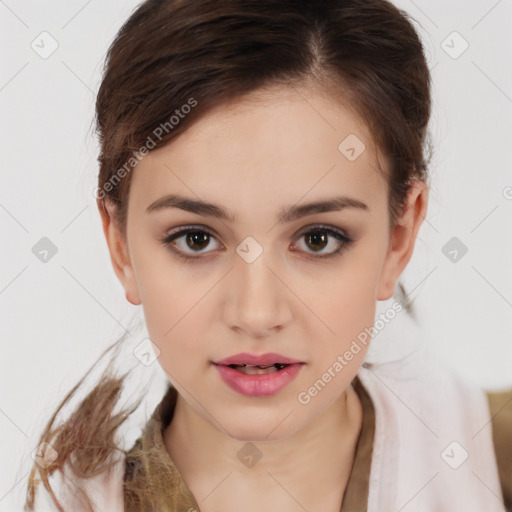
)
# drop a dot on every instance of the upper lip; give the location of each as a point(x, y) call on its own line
point(257, 360)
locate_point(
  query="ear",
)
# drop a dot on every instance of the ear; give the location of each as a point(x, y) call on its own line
point(118, 249)
point(403, 238)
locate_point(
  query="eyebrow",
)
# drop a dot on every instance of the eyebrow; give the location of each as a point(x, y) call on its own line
point(288, 214)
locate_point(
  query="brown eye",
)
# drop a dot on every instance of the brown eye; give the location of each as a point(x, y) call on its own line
point(189, 241)
point(197, 240)
point(318, 240)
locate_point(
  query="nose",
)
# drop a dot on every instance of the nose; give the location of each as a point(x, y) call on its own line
point(258, 303)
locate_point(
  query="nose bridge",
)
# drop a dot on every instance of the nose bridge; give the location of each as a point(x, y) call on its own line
point(259, 300)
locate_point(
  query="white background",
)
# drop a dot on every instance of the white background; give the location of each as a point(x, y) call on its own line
point(58, 316)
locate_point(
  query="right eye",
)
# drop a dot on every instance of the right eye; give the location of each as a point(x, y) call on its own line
point(194, 237)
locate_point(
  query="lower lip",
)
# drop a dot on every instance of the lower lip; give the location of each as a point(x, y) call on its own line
point(265, 384)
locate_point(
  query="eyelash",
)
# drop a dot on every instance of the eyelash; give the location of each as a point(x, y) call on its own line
point(338, 235)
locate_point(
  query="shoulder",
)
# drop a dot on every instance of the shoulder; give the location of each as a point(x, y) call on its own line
point(451, 405)
point(104, 490)
point(500, 406)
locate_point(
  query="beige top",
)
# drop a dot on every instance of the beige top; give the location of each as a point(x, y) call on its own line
point(177, 497)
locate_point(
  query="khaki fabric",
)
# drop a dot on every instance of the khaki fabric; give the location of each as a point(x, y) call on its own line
point(178, 498)
point(500, 406)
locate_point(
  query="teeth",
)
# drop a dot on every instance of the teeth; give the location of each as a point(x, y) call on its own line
point(257, 370)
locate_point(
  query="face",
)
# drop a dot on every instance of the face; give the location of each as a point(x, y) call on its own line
point(269, 275)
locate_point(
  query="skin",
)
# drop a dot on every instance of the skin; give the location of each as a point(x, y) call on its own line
point(256, 156)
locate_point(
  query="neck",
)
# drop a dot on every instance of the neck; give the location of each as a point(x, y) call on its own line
point(313, 465)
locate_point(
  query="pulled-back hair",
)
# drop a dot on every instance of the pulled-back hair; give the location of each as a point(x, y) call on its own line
point(174, 60)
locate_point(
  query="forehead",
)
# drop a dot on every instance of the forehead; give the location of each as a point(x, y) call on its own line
point(275, 145)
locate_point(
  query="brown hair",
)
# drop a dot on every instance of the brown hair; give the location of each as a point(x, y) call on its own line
point(173, 60)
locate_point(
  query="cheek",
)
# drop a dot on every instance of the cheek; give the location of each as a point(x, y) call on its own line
point(348, 291)
point(178, 325)
point(171, 299)
point(174, 315)
point(345, 302)
point(347, 318)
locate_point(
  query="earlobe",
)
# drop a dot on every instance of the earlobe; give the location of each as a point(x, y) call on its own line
point(131, 290)
point(118, 252)
point(403, 239)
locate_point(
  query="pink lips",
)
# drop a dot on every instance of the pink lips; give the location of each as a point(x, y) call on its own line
point(258, 385)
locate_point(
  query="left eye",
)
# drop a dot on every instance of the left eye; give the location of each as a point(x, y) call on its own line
point(318, 238)
point(198, 238)
point(194, 239)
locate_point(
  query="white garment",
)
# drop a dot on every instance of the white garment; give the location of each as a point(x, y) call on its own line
point(433, 449)
point(421, 407)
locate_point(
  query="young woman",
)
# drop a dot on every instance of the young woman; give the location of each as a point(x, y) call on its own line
point(263, 177)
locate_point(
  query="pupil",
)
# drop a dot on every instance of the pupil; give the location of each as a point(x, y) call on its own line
point(195, 237)
point(319, 239)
